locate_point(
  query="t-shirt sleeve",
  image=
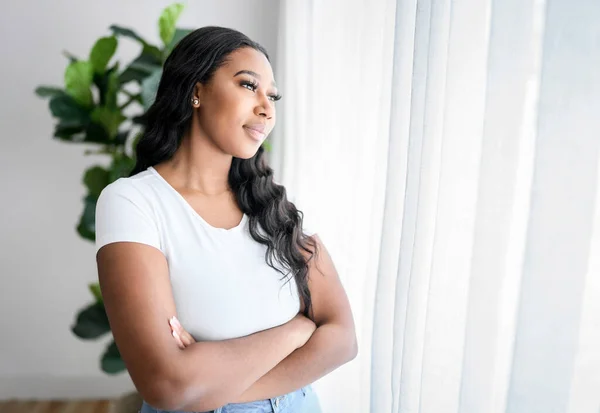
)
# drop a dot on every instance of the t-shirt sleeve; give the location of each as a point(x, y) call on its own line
point(123, 214)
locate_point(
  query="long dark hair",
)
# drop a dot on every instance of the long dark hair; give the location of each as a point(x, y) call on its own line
point(195, 59)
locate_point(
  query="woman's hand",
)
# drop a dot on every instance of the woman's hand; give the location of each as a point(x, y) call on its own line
point(302, 328)
point(182, 337)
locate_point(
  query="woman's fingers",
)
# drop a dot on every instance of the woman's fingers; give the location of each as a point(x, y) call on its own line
point(187, 338)
point(178, 339)
point(182, 337)
point(175, 332)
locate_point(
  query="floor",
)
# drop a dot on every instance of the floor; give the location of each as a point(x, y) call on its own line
point(47, 406)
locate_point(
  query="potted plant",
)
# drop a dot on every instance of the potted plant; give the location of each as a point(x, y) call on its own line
point(102, 106)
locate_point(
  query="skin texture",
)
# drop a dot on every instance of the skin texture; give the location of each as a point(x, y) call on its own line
point(134, 278)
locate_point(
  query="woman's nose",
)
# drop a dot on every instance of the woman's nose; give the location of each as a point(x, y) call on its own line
point(264, 108)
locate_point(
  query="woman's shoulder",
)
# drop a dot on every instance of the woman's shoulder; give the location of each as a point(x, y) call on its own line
point(126, 193)
point(131, 186)
point(125, 212)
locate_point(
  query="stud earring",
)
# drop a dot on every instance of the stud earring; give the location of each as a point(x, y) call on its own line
point(195, 101)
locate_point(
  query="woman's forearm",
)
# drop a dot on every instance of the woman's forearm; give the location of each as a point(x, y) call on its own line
point(329, 347)
point(210, 372)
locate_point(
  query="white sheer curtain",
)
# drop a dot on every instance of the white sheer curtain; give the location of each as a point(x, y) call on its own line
point(448, 153)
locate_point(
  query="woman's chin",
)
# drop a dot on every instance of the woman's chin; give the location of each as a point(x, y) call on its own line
point(247, 152)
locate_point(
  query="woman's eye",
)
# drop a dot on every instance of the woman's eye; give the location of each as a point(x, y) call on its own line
point(253, 86)
point(249, 86)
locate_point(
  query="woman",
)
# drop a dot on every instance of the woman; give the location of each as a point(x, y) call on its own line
point(199, 236)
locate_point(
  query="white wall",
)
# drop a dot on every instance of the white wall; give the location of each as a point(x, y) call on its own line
point(44, 265)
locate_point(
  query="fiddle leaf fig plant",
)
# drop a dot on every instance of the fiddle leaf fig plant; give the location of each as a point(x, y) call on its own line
point(101, 105)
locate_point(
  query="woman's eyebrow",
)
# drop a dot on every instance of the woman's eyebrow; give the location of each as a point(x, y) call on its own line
point(254, 74)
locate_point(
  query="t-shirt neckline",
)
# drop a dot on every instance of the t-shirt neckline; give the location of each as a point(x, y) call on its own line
point(192, 210)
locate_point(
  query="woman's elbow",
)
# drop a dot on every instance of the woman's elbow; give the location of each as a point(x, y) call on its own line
point(346, 344)
point(175, 394)
point(161, 388)
point(347, 347)
point(161, 393)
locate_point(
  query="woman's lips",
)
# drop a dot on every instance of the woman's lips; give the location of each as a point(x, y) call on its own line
point(255, 133)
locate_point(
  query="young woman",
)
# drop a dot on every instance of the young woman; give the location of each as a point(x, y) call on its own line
point(199, 236)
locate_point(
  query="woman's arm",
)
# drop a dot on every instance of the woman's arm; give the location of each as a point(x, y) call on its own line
point(333, 343)
point(139, 302)
point(330, 346)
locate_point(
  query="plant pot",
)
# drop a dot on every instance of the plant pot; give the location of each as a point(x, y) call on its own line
point(127, 403)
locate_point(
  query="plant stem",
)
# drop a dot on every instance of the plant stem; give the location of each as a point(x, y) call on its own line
point(132, 98)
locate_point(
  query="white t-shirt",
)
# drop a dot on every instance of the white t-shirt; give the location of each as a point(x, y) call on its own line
point(222, 286)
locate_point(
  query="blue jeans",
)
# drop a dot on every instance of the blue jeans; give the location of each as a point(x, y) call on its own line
point(304, 400)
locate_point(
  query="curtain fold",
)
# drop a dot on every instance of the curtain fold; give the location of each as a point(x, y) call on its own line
point(448, 154)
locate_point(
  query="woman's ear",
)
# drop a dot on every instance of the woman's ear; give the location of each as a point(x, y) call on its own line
point(196, 95)
point(199, 90)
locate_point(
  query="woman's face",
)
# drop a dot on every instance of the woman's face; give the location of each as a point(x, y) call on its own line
point(236, 109)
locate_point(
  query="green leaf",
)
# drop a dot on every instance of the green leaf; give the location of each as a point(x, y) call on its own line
point(102, 52)
point(168, 20)
point(142, 66)
point(96, 133)
point(78, 79)
point(87, 223)
point(96, 292)
point(72, 58)
point(149, 88)
point(67, 108)
point(48, 91)
point(121, 166)
point(121, 137)
point(147, 47)
point(145, 63)
point(153, 51)
point(109, 118)
point(125, 32)
point(179, 34)
point(130, 74)
point(132, 98)
point(69, 131)
point(112, 91)
point(108, 86)
point(95, 179)
point(112, 363)
point(91, 323)
point(90, 133)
